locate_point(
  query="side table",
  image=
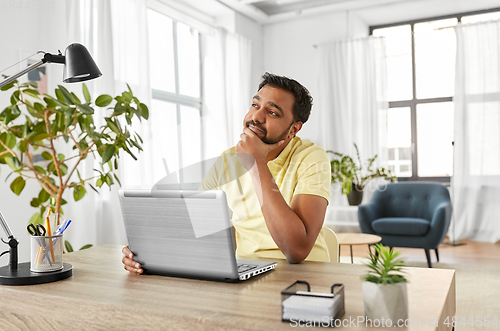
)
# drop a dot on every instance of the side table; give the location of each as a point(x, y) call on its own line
point(357, 239)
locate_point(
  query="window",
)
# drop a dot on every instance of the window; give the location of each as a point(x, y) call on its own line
point(175, 65)
point(421, 81)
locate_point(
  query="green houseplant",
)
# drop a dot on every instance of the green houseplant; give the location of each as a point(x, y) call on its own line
point(354, 177)
point(42, 127)
point(384, 286)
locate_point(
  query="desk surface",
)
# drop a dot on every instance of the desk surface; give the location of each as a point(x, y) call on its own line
point(101, 294)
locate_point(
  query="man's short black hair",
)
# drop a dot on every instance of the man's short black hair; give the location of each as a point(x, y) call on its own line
point(303, 100)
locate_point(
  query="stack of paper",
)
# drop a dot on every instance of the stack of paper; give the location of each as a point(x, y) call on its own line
point(321, 307)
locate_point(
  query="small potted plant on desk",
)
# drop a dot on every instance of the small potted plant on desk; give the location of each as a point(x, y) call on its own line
point(353, 176)
point(384, 287)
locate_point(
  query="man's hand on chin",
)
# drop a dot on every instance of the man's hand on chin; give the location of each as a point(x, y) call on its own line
point(252, 145)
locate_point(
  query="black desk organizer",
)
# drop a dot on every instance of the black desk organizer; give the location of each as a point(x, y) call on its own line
point(315, 304)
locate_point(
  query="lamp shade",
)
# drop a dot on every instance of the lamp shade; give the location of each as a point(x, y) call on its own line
point(79, 65)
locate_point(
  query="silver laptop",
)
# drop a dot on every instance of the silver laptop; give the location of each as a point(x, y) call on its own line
point(184, 234)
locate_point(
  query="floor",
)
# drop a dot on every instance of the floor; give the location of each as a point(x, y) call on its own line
point(470, 253)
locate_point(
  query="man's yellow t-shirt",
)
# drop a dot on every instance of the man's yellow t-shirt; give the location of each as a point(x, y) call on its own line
point(301, 168)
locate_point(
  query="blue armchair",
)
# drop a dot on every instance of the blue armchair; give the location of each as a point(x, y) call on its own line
point(408, 214)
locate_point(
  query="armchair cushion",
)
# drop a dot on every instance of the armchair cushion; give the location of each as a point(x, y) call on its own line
point(403, 226)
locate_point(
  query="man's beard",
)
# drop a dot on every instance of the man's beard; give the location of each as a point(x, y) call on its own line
point(265, 139)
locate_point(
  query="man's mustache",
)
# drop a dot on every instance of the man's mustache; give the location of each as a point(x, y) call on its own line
point(247, 124)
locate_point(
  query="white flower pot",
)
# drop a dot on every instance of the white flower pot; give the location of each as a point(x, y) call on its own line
point(385, 301)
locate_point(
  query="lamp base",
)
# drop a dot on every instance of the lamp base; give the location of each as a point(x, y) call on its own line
point(24, 276)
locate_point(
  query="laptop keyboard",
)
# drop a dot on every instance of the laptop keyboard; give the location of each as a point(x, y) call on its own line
point(245, 267)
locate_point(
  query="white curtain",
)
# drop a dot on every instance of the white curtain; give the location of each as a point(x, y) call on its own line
point(227, 91)
point(352, 100)
point(115, 33)
point(476, 177)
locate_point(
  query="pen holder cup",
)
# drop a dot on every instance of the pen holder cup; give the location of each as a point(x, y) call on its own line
point(299, 304)
point(46, 253)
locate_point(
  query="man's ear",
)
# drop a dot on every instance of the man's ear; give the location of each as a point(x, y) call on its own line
point(295, 128)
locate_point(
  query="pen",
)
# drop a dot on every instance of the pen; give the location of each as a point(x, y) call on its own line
point(64, 225)
point(49, 233)
point(60, 228)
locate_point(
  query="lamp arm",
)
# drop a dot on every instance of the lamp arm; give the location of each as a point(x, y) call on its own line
point(5, 226)
point(47, 58)
point(20, 73)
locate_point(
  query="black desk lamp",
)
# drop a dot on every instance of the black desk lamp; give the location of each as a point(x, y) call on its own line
point(78, 67)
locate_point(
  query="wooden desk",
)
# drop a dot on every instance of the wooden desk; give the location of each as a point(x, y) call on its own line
point(102, 295)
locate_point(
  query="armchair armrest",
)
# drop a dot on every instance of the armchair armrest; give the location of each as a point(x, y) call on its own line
point(440, 222)
point(367, 213)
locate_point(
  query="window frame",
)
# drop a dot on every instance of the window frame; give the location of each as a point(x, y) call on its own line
point(180, 99)
point(412, 103)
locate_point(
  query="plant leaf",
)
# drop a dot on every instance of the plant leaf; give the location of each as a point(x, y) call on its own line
point(96, 191)
point(13, 114)
point(127, 96)
point(86, 93)
point(39, 137)
point(66, 95)
point(51, 103)
point(17, 185)
point(133, 142)
point(46, 155)
point(35, 202)
point(112, 125)
point(76, 98)
point(79, 192)
point(64, 169)
point(13, 162)
point(68, 246)
point(143, 110)
point(103, 100)
point(32, 93)
point(85, 108)
point(8, 86)
point(118, 180)
point(85, 247)
point(109, 151)
point(43, 196)
point(14, 98)
point(22, 146)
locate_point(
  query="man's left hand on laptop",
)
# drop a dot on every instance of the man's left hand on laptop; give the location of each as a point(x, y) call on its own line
point(128, 262)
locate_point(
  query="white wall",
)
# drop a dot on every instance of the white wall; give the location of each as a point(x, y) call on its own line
point(289, 50)
point(253, 31)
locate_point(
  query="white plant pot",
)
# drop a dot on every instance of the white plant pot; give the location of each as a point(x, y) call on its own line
point(385, 301)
